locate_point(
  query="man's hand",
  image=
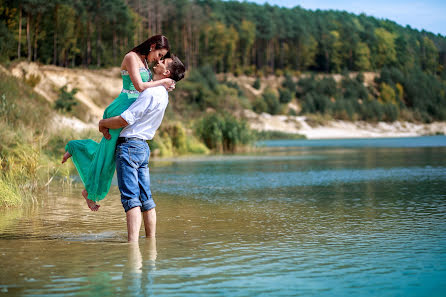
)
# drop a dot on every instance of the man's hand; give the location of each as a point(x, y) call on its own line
point(111, 123)
point(105, 131)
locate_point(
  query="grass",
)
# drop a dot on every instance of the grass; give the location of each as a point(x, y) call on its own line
point(316, 120)
point(276, 135)
point(24, 163)
point(9, 194)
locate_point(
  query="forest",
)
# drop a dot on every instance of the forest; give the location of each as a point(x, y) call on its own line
point(244, 38)
point(231, 36)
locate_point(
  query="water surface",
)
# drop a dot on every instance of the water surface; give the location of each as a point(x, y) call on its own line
point(346, 218)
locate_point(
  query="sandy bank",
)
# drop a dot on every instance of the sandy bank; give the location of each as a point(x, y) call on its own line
point(96, 87)
point(340, 129)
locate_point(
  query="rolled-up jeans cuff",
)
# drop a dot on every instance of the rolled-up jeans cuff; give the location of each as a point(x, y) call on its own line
point(129, 203)
point(148, 205)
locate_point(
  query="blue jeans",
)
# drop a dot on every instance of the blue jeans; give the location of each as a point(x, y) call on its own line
point(132, 168)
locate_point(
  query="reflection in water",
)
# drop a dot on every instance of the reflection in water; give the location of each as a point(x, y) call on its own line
point(135, 258)
point(134, 263)
point(137, 277)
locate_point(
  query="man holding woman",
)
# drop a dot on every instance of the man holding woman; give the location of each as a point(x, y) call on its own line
point(95, 162)
point(140, 122)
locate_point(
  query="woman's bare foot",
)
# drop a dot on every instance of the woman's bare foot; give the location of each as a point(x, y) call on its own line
point(66, 156)
point(91, 204)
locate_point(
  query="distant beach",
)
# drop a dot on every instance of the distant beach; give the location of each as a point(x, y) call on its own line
point(341, 129)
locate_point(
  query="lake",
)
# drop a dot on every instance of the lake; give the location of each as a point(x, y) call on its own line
point(360, 217)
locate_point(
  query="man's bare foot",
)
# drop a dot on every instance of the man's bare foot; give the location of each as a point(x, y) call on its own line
point(91, 204)
point(66, 156)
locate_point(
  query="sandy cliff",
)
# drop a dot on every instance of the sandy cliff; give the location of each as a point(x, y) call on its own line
point(97, 88)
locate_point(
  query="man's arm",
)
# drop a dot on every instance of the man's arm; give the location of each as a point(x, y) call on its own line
point(111, 123)
point(129, 116)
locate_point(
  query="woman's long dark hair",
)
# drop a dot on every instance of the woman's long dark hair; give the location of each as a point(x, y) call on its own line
point(160, 42)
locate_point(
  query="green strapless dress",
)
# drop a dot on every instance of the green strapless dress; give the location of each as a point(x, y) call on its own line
point(94, 161)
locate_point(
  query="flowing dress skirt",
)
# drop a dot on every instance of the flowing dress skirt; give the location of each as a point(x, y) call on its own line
point(94, 161)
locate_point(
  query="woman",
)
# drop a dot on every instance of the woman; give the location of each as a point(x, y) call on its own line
point(95, 161)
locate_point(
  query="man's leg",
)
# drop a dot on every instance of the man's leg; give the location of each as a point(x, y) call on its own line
point(129, 155)
point(150, 222)
point(145, 196)
point(133, 223)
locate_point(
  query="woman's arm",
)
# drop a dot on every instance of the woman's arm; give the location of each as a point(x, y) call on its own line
point(131, 62)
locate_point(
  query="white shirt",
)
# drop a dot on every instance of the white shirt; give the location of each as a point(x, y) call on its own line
point(145, 115)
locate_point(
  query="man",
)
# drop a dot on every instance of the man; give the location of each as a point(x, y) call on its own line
point(140, 122)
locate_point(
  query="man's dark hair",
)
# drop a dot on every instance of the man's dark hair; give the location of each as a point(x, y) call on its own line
point(176, 68)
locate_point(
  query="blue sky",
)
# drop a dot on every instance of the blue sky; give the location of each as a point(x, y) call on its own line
point(429, 15)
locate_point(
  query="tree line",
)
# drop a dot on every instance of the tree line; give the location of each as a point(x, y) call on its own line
point(231, 36)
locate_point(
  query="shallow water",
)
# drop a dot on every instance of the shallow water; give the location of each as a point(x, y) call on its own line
point(301, 219)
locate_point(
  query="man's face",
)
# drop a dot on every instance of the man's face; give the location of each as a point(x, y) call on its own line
point(161, 67)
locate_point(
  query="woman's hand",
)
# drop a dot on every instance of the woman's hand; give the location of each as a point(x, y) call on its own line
point(168, 83)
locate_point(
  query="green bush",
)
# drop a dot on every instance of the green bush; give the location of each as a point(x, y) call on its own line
point(172, 139)
point(177, 135)
point(292, 112)
point(371, 111)
point(194, 146)
point(353, 89)
point(306, 85)
point(289, 83)
point(223, 132)
point(195, 93)
point(256, 84)
point(327, 86)
point(387, 94)
point(272, 101)
point(66, 99)
point(285, 96)
point(316, 103)
point(360, 77)
point(390, 112)
point(343, 109)
point(259, 105)
point(235, 86)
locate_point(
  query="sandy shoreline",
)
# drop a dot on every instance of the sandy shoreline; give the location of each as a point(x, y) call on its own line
point(341, 129)
point(299, 125)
